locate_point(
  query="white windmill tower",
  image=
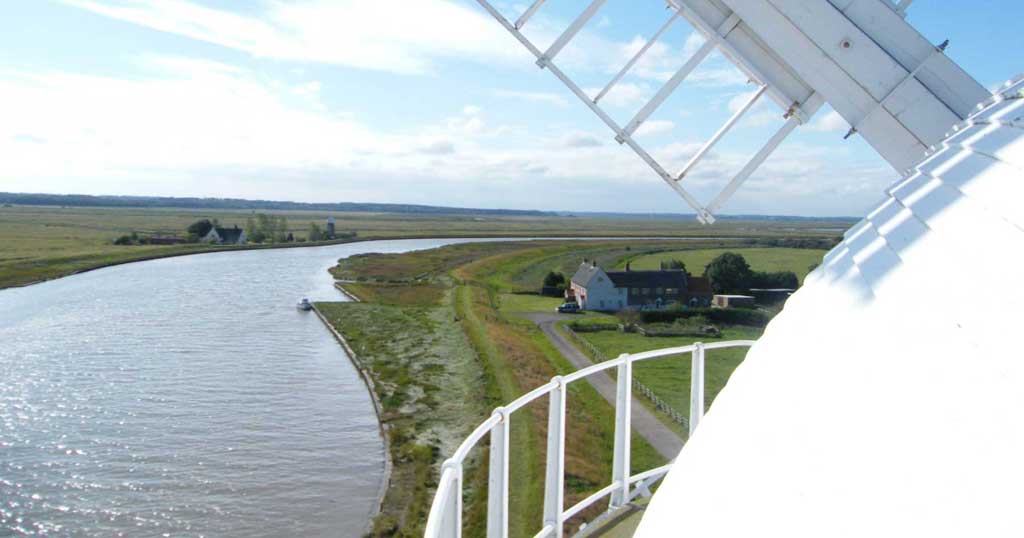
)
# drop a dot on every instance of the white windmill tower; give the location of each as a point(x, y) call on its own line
point(887, 398)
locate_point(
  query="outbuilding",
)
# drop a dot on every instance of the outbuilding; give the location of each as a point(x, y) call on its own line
point(734, 301)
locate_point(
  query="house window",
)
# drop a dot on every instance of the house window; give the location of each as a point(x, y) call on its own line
point(602, 303)
point(647, 291)
point(661, 291)
point(636, 291)
point(672, 291)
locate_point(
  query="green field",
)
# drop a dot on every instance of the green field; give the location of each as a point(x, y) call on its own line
point(669, 377)
point(798, 260)
point(44, 242)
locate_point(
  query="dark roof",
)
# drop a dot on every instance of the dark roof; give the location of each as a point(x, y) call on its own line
point(699, 285)
point(648, 279)
point(229, 235)
point(585, 273)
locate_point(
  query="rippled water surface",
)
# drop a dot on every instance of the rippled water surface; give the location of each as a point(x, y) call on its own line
point(185, 397)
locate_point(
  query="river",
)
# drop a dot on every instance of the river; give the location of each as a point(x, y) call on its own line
point(186, 397)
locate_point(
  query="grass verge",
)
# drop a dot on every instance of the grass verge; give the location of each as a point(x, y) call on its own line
point(431, 394)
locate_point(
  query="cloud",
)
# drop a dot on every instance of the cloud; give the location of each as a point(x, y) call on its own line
point(655, 127)
point(829, 122)
point(624, 94)
point(438, 147)
point(364, 34)
point(761, 114)
point(535, 97)
point(581, 140)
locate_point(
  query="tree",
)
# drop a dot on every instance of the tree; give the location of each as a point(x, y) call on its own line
point(673, 265)
point(554, 280)
point(729, 273)
point(199, 228)
point(314, 234)
point(280, 230)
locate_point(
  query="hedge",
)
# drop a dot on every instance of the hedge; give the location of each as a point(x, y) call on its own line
point(728, 316)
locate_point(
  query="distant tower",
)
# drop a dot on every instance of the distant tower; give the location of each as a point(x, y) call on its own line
point(330, 227)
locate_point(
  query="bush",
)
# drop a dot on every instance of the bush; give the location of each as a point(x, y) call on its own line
point(628, 316)
point(123, 240)
point(592, 327)
point(315, 233)
point(673, 265)
point(674, 329)
point(776, 280)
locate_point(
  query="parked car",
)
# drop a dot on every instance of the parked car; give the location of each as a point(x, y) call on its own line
point(568, 308)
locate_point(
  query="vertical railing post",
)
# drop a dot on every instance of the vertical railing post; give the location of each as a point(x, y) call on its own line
point(451, 520)
point(497, 483)
point(696, 386)
point(620, 460)
point(554, 480)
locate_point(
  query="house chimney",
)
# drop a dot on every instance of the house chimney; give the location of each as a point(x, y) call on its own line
point(593, 263)
point(627, 266)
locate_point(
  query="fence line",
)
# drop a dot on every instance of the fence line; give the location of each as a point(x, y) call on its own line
point(659, 404)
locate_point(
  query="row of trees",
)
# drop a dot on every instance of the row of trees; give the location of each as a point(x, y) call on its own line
point(267, 229)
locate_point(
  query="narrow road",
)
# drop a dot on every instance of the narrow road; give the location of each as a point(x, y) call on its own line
point(664, 440)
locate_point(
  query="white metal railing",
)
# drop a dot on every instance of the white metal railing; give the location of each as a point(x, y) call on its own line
point(445, 519)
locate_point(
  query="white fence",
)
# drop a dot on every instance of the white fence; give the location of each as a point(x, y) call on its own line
point(445, 520)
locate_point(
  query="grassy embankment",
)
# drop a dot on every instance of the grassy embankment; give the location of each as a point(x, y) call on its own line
point(512, 356)
point(41, 242)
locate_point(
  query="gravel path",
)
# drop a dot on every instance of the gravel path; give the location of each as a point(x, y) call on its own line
point(664, 440)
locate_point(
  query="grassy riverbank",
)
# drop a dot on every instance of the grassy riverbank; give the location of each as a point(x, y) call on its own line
point(431, 391)
point(43, 242)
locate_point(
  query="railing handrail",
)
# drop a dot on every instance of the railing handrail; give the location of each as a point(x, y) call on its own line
point(445, 518)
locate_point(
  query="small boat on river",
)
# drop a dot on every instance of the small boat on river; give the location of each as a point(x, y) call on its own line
point(304, 304)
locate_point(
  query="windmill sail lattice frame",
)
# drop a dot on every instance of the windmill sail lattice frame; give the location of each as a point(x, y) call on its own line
point(896, 89)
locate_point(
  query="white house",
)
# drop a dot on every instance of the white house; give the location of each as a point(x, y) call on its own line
point(225, 236)
point(595, 289)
